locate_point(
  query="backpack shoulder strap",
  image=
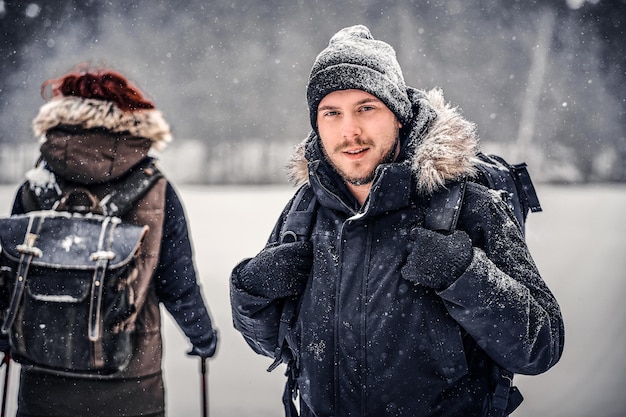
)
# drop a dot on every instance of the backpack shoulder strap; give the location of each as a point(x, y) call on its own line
point(505, 397)
point(297, 226)
point(118, 196)
point(299, 220)
point(442, 216)
point(444, 207)
point(130, 188)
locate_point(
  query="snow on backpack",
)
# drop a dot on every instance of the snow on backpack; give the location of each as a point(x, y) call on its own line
point(66, 281)
point(516, 188)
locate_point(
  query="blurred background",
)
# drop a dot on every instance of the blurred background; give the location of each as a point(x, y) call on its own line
point(544, 80)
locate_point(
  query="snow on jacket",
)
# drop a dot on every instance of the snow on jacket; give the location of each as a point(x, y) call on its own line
point(369, 342)
point(76, 130)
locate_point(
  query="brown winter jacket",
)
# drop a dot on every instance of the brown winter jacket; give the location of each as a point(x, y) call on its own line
point(91, 144)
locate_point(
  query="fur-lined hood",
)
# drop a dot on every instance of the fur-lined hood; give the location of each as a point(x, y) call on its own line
point(91, 113)
point(442, 145)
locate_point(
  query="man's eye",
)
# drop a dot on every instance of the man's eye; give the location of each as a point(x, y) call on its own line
point(331, 113)
point(366, 108)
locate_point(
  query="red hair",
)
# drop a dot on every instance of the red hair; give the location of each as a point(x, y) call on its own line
point(100, 85)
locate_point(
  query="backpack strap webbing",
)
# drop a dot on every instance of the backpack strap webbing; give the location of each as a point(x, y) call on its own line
point(130, 188)
point(117, 196)
point(526, 187)
point(101, 259)
point(444, 207)
point(28, 251)
point(442, 216)
point(297, 227)
point(299, 220)
point(506, 397)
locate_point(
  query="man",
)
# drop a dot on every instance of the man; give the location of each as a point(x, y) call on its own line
point(394, 319)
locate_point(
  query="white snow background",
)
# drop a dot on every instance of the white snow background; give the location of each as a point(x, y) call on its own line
point(578, 242)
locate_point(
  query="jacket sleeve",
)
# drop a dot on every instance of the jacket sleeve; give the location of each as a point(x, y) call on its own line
point(18, 205)
point(257, 318)
point(175, 278)
point(501, 299)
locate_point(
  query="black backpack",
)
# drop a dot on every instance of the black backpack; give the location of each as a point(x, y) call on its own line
point(512, 182)
point(515, 186)
point(66, 278)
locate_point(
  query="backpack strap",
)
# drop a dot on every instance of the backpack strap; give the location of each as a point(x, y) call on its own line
point(444, 207)
point(526, 187)
point(442, 216)
point(130, 188)
point(299, 221)
point(101, 258)
point(28, 250)
point(506, 397)
point(118, 196)
point(297, 227)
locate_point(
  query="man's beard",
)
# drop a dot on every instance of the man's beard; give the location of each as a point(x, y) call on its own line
point(389, 157)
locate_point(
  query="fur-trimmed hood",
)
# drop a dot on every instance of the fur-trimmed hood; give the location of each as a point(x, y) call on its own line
point(91, 113)
point(440, 144)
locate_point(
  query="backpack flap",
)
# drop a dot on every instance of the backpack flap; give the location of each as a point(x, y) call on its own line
point(68, 240)
point(70, 268)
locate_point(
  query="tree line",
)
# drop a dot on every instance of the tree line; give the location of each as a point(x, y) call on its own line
point(543, 80)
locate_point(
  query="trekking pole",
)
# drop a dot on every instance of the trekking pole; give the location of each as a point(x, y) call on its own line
point(6, 361)
point(205, 391)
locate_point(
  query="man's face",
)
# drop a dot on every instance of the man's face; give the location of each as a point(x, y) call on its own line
point(358, 133)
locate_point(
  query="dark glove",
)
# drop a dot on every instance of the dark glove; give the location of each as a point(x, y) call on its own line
point(278, 271)
point(436, 260)
point(206, 349)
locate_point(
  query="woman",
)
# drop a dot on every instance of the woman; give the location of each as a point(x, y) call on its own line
point(96, 132)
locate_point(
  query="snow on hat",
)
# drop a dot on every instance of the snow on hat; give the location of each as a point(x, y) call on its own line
point(355, 60)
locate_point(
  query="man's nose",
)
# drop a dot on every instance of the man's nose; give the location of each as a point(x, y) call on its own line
point(350, 128)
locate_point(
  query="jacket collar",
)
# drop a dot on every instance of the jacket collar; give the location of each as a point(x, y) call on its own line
point(391, 190)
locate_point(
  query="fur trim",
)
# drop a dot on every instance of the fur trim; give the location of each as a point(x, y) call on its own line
point(90, 113)
point(298, 166)
point(446, 152)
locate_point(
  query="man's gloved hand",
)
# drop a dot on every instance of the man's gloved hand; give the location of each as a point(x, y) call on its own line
point(436, 260)
point(206, 349)
point(278, 271)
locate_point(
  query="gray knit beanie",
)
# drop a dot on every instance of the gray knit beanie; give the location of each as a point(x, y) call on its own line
point(355, 60)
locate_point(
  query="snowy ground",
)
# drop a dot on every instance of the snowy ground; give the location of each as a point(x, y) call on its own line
point(579, 243)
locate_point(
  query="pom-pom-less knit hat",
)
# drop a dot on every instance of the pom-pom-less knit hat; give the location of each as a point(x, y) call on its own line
point(355, 60)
